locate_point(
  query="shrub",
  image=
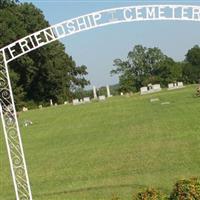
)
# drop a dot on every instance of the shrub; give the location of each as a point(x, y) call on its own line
point(114, 197)
point(149, 194)
point(198, 91)
point(186, 190)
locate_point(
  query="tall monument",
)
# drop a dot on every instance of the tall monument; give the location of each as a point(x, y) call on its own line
point(108, 91)
point(94, 92)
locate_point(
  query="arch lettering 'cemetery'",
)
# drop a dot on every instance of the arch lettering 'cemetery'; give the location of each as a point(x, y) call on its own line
point(48, 35)
point(98, 19)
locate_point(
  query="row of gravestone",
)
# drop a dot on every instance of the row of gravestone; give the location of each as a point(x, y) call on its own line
point(177, 85)
point(80, 101)
point(24, 109)
point(95, 92)
point(156, 88)
point(74, 102)
point(87, 100)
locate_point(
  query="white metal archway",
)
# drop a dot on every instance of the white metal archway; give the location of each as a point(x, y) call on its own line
point(50, 34)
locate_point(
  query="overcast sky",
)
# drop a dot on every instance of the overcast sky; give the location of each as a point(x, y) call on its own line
point(98, 48)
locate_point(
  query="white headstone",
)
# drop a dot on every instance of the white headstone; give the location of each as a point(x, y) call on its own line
point(165, 103)
point(156, 87)
point(180, 84)
point(86, 99)
point(24, 109)
point(51, 102)
point(40, 106)
point(170, 86)
point(143, 90)
point(94, 92)
point(108, 91)
point(175, 85)
point(75, 102)
point(102, 98)
point(65, 103)
point(27, 123)
point(121, 93)
point(154, 100)
point(55, 104)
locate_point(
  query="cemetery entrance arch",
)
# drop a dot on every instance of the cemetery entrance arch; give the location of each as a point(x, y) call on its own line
point(50, 34)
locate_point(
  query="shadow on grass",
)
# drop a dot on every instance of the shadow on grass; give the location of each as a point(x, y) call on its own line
point(96, 188)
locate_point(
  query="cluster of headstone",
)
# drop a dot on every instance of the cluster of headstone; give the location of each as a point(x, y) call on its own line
point(152, 100)
point(24, 109)
point(27, 123)
point(156, 88)
point(172, 86)
point(103, 96)
point(81, 101)
point(95, 97)
point(150, 89)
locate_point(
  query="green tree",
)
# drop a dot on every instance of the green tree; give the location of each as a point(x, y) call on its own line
point(191, 66)
point(169, 71)
point(140, 68)
point(47, 73)
point(6, 3)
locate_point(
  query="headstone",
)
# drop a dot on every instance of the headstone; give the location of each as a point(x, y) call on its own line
point(180, 84)
point(122, 94)
point(75, 102)
point(108, 91)
point(51, 102)
point(55, 104)
point(165, 103)
point(154, 100)
point(170, 86)
point(24, 109)
point(27, 123)
point(65, 103)
point(102, 98)
point(150, 89)
point(40, 106)
point(143, 90)
point(177, 85)
point(86, 99)
point(94, 92)
point(156, 88)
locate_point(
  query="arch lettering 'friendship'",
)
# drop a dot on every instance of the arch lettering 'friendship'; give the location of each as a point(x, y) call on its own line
point(48, 35)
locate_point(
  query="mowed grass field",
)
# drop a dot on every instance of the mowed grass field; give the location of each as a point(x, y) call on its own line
point(119, 146)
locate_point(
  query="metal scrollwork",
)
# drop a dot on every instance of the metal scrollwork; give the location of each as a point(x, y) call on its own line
point(12, 135)
point(55, 32)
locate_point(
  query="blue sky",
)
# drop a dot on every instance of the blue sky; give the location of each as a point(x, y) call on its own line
point(99, 47)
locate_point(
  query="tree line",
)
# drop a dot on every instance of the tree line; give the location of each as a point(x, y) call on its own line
point(49, 72)
point(150, 65)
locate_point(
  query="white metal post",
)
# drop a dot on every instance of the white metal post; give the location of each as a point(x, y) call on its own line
point(12, 134)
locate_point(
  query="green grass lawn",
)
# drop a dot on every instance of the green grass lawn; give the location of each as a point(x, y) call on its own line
point(119, 146)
